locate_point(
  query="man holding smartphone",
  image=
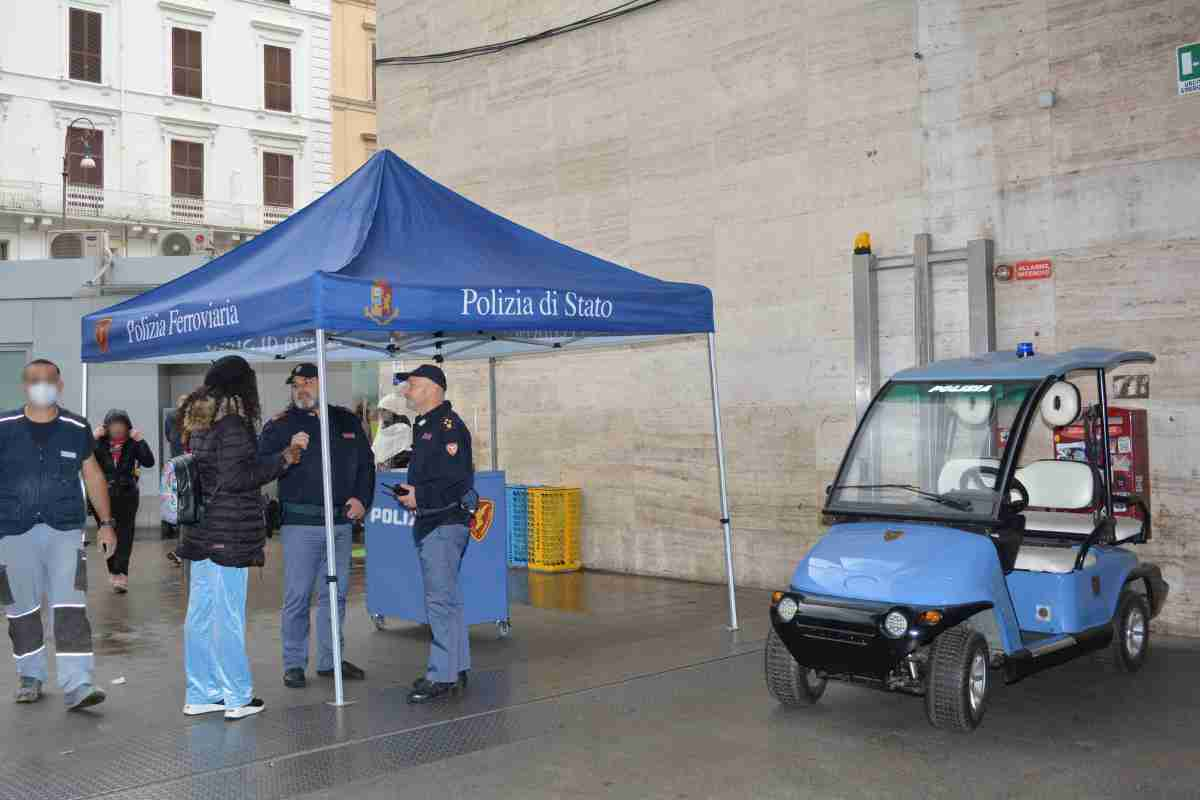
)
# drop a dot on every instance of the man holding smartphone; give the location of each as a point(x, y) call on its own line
point(301, 498)
point(43, 450)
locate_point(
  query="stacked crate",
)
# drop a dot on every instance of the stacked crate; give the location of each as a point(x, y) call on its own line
point(518, 525)
point(554, 514)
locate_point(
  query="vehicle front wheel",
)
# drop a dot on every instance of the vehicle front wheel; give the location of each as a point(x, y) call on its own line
point(1131, 632)
point(789, 682)
point(958, 684)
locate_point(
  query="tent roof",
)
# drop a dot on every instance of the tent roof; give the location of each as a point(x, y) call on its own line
point(393, 264)
point(1006, 366)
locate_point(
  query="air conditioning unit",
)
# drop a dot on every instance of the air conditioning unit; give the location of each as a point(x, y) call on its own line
point(186, 242)
point(78, 244)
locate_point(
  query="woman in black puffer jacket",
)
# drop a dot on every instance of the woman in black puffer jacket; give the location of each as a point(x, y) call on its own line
point(220, 429)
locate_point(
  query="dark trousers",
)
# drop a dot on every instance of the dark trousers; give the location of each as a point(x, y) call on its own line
point(124, 511)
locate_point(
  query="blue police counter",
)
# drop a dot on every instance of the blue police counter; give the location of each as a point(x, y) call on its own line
point(394, 585)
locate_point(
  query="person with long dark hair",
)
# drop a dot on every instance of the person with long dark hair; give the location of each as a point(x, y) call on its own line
point(121, 452)
point(221, 420)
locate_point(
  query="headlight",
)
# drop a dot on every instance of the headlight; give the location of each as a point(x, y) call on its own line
point(895, 624)
point(787, 609)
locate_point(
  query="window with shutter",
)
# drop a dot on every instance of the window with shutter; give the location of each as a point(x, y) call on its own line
point(187, 169)
point(81, 141)
point(85, 46)
point(371, 72)
point(186, 72)
point(277, 72)
point(278, 180)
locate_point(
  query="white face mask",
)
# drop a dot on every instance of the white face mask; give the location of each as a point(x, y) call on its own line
point(43, 395)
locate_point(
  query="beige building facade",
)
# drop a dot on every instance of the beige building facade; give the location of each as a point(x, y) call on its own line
point(353, 96)
point(742, 146)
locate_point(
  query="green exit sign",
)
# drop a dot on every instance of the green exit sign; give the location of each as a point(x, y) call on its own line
point(1187, 61)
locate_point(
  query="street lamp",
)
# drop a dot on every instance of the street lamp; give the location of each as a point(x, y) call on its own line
point(87, 162)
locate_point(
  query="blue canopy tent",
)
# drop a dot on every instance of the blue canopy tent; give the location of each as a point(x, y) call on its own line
point(390, 264)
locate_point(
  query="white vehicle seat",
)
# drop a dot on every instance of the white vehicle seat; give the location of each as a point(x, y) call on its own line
point(952, 472)
point(1057, 485)
point(1059, 560)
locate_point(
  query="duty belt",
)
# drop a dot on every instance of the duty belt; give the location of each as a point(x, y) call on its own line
point(302, 514)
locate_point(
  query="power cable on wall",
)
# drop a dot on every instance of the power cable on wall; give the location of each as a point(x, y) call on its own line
point(472, 52)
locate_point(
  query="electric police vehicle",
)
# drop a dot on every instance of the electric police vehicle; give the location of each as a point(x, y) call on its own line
point(962, 549)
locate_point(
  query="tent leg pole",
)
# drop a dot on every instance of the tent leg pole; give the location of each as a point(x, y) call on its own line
point(716, 407)
point(492, 406)
point(327, 496)
point(83, 401)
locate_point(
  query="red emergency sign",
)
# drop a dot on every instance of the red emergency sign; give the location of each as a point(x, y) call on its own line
point(1032, 270)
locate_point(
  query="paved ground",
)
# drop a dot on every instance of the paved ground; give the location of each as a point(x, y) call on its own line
point(610, 687)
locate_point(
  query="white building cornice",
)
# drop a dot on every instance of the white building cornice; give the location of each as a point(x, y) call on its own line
point(276, 28)
point(277, 141)
point(287, 9)
point(178, 128)
point(101, 116)
point(186, 10)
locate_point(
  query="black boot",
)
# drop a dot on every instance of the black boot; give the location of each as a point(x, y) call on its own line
point(294, 678)
point(428, 691)
point(462, 680)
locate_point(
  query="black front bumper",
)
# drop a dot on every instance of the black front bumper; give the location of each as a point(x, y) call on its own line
point(842, 638)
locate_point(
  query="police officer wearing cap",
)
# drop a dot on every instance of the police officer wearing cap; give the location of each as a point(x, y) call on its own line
point(301, 494)
point(441, 481)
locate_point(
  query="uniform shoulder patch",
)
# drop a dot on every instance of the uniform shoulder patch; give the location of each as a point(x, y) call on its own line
point(448, 423)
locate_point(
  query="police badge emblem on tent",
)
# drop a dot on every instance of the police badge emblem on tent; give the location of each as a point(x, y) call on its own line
point(381, 310)
point(103, 328)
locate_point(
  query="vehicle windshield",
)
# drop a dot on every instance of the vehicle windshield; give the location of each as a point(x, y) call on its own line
point(930, 450)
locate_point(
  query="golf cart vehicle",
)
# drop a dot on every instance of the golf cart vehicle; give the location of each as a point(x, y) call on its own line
point(961, 549)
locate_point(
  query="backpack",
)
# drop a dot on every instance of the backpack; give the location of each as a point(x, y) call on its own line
point(180, 499)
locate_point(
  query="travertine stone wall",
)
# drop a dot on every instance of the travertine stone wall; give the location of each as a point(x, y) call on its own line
point(742, 145)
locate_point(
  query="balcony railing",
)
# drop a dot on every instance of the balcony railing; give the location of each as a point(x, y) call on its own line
point(107, 205)
point(187, 210)
point(274, 214)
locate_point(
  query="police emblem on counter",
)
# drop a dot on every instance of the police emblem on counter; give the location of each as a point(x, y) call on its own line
point(481, 523)
point(381, 310)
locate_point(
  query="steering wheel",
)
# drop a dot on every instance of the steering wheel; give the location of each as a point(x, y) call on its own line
point(972, 478)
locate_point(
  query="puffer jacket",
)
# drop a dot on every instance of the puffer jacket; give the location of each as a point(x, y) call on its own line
point(233, 531)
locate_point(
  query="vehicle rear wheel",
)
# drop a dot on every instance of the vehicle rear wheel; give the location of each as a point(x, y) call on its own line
point(1131, 632)
point(788, 682)
point(958, 684)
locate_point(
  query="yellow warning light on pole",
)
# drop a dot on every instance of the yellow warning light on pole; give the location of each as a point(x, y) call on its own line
point(862, 244)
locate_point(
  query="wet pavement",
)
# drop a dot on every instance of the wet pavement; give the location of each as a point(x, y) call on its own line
point(610, 686)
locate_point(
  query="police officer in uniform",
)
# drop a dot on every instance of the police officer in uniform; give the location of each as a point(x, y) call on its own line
point(301, 497)
point(441, 483)
point(43, 449)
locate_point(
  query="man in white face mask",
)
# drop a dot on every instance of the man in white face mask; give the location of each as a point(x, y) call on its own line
point(43, 450)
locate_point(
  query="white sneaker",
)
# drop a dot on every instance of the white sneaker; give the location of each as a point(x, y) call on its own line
point(196, 709)
point(255, 706)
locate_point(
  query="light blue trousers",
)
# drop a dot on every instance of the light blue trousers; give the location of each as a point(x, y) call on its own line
point(43, 561)
point(304, 571)
point(441, 554)
point(215, 636)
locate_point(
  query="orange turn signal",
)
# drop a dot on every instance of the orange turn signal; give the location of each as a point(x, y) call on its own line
point(929, 617)
point(776, 597)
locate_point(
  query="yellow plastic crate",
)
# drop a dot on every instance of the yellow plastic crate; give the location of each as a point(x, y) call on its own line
point(554, 528)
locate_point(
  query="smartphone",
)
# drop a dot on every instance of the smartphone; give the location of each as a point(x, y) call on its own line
point(396, 489)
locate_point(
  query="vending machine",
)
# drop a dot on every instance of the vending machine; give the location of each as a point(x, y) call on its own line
point(1129, 448)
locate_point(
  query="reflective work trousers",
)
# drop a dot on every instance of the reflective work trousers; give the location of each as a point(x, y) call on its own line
point(50, 562)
